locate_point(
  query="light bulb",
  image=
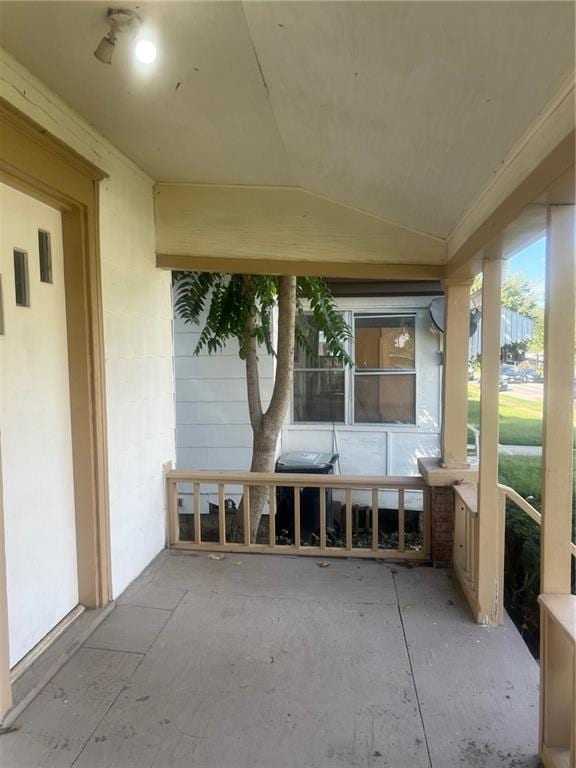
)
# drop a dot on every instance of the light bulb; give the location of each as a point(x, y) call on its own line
point(145, 51)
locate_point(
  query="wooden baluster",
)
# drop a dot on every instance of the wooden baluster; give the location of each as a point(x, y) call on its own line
point(322, 492)
point(197, 518)
point(375, 519)
point(221, 514)
point(246, 508)
point(348, 518)
point(401, 522)
point(297, 525)
point(272, 516)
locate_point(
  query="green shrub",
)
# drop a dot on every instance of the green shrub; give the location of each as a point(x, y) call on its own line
point(522, 546)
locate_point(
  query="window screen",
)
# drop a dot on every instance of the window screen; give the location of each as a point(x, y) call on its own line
point(318, 377)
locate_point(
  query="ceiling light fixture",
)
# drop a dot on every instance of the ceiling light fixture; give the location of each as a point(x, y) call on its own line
point(119, 21)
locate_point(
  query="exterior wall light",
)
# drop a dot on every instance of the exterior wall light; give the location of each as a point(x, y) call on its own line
point(120, 21)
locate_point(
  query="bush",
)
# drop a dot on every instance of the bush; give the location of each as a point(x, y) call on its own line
point(522, 546)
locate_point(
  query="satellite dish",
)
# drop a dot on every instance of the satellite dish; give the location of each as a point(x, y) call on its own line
point(437, 313)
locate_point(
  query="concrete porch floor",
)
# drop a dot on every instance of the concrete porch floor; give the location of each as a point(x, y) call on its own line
point(273, 661)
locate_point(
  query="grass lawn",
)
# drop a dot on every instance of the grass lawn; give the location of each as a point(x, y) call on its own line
point(520, 420)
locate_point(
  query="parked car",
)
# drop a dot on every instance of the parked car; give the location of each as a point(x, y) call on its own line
point(532, 375)
point(511, 374)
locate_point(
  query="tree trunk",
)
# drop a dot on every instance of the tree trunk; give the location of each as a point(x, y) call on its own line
point(266, 426)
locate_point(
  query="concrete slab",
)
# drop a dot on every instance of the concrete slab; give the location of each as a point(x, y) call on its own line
point(279, 663)
point(278, 576)
point(57, 725)
point(151, 596)
point(129, 628)
point(477, 686)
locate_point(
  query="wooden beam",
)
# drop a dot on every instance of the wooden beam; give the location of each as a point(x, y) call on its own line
point(541, 157)
point(455, 374)
point(279, 224)
point(300, 268)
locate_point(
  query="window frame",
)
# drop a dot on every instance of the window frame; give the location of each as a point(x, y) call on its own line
point(350, 316)
point(383, 371)
point(293, 422)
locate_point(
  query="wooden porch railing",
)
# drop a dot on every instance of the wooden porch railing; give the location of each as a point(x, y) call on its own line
point(359, 532)
point(558, 628)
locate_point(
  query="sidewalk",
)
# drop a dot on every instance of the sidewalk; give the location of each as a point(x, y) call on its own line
point(513, 450)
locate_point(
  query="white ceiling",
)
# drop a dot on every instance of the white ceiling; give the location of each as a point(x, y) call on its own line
point(401, 109)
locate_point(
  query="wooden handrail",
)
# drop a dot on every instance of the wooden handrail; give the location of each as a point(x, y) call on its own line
point(368, 543)
point(526, 507)
point(358, 482)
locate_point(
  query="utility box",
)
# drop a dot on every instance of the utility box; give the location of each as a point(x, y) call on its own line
point(303, 463)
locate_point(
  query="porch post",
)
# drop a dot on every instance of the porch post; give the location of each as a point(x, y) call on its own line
point(558, 402)
point(490, 517)
point(558, 644)
point(455, 374)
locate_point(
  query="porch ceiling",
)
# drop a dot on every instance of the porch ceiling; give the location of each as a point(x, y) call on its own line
point(403, 110)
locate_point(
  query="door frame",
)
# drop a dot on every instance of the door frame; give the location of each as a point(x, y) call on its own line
point(40, 165)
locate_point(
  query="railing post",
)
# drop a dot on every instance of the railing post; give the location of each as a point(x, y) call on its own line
point(490, 538)
point(455, 374)
point(172, 522)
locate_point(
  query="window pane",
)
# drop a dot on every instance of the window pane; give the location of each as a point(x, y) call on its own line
point(318, 396)
point(384, 343)
point(389, 398)
point(21, 284)
point(45, 256)
point(318, 356)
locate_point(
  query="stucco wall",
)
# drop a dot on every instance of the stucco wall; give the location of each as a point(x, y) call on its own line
point(137, 329)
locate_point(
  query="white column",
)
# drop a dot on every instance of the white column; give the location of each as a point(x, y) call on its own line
point(455, 374)
point(490, 517)
point(558, 401)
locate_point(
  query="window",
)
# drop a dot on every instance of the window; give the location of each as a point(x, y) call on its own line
point(21, 283)
point(45, 252)
point(385, 369)
point(379, 389)
point(318, 377)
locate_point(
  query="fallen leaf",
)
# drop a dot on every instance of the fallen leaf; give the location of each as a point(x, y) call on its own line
point(409, 605)
point(215, 557)
point(322, 564)
point(238, 562)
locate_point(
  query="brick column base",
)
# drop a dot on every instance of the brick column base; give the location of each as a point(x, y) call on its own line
point(442, 522)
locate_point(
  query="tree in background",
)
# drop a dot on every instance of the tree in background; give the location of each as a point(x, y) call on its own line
point(240, 307)
point(519, 295)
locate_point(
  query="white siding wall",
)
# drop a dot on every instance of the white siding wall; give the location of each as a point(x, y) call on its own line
point(137, 329)
point(213, 429)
